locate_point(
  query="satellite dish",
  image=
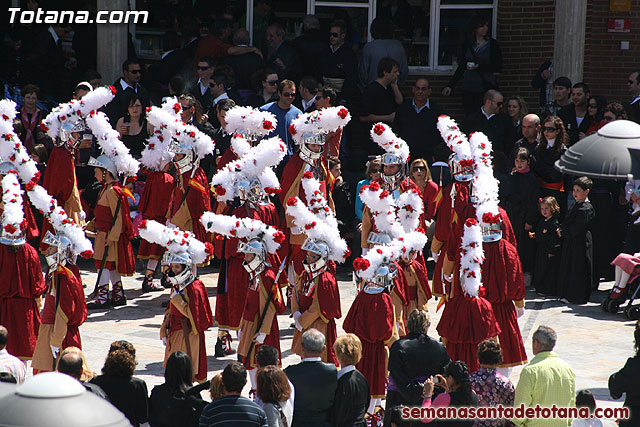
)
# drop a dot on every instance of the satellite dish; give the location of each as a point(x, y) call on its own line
point(611, 153)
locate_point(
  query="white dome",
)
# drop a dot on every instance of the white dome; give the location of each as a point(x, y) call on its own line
point(50, 385)
point(620, 129)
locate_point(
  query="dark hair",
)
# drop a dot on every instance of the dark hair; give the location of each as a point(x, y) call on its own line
point(189, 98)
point(130, 61)
point(4, 336)
point(278, 27)
point(219, 26)
point(460, 373)
point(30, 88)
point(123, 345)
point(333, 161)
point(272, 385)
point(386, 64)
point(70, 364)
point(209, 60)
point(523, 154)
point(225, 104)
point(329, 92)
point(562, 81)
point(581, 85)
point(227, 71)
point(553, 205)
point(240, 37)
point(490, 352)
point(340, 24)
point(477, 20)
point(500, 162)
point(133, 97)
point(6, 377)
point(310, 83)
point(41, 151)
point(234, 377)
point(586, 399)
point(218, 77)
point(585, 183)
point(617, 109)
point(178, 373)
point(177, 84)
point(381, 28)
point(441, 152)
point(260, 76)
point(266, 356)
point(285, 83)
point(601, 103)
point(562, 138)
point(119, 363)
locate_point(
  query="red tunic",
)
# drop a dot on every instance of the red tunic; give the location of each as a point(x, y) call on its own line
point(233, 278)
point(154, 202)
point(429, 199)
point(201, 319)
point(21, 282)
point(186, 216)
point(371, 317)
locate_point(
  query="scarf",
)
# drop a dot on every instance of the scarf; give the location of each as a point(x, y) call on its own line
point(29, 126)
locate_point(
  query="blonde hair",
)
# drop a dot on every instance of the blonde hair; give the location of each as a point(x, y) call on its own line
point(427, 176)
point(348, 349)
point(216, 389)
point(87, 373)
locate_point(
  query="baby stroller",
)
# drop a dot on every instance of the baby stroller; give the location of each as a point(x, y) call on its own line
point(619, 295)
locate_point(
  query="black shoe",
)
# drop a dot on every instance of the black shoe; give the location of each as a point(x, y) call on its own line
point(96, 305)
point(221, 351)
point(149, 286)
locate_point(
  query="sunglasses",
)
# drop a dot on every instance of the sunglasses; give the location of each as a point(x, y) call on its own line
point(609, 119)
point(549, 129)
point(320, 96)
point(630, 82)
point(289, 94)
point(336, 35)
point(419, 168)
point(136, 71)
point(593, 105)
point(272, 82)
point(203, 68)
point(213, 84)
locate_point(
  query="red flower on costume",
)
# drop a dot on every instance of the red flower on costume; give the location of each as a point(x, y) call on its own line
point(87, 254)
point(292, 201)
point(143, 224)
point(278, 237)
point(10, 229)
point(267, 125)
point(307, 175)
point(113, 90)
point(177, 107)
point(342, 113)
point(378, 129)
point(208, 248)
point(470, 222)
point(292, 129)
point(361, 264)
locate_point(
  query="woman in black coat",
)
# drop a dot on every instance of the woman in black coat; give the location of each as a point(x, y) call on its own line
point(627, 380)
point(352, 394)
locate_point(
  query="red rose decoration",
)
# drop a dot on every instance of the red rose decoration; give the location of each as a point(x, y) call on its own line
point(24, 224)
point(219, 237)
point(343, 113)
point(220, 190)
point(87, 254)
point(208, 248)
point(470, 222)
point(292, 129)
point(278, 237)
point(347, 253)
point(361, 264)
point(192, 134)
point(384, 194)
point(9, 229)
point(378, 129)
point(267, 125)
point(143, 224)
point(374, 186)
point(29, 185)
point(177, 107)
point(43, 127)
point(292, 201)
point(5, 117)
point(310, 226)
point(307, 175)
point(379, 251)
point(113, 90)
point(481, 291)
point(487, 217)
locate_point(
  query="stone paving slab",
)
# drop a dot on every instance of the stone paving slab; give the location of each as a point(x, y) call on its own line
point(594, 343)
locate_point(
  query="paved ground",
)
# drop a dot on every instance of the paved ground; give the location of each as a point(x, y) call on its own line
point(594, 343)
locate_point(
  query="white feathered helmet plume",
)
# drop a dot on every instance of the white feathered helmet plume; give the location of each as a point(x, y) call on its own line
point(12, 151)
point(255, 237)
point(460, 162)
point(250, 123)
point(182, 248)
point(485, 189)
point(190, 141)
point(14, 225)
point(471, 259)
point(318, 222)
point(396, 153)
point(251, 177)
point(156, 155)
point(313, 127)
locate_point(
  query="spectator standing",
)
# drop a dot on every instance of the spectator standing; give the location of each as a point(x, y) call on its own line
point(542, 81)
point(440, 167)
point(215, 44)
point(547, 258)
point(285, 113)
point(339, 63)
point(9, 363)
point(412, 360)
point(530, 136)
point(576, 272)
point(315, 383)
point(421, 175)
point(267, 80)
point(72, 364)
point(613, 112)
point(626, 381)
point(341, 195)
point(274, 391)
point(553, 142)
point(126, 86)
point(125, 392)
point(416, 119)
point(352, 394)
point(516, 109)
point(243, 65)
point(27, 121)
point(561, 94)
point(374, 172)
point(633, 86)
point(218, 88)
point(595, 109)
point(133, 126)
point(479, 58)
point(269, 356)
point(458, 392)
point(311, 46)
point(306, 102)
point(169, 404)
point(574, 116)
point(546, 381)
point(174, 61)
point(280, 54)
point(233, 409)
point(381, 97)
point(491, 387)
point(200, 89)
point(382, 46)
point(490, 120)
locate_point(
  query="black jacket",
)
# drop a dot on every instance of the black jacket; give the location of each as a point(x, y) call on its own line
point(315, 384)
point(352, 400)
point(169, 407)
point(626, 380)
point(310, 47)
point(244, 66)
point(342, 64)
point(498, 129)
point(118, 106)
point(568, 116)
point(418, 129)
point(292, 69)
point(494, 65)
point(541, 84)
point(128, 394)
point(633, 111)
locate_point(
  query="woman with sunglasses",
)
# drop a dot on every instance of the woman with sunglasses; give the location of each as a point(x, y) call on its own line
point(420, 174)
point(374, 170)
point(267, 81)
point(553, 142)
point(595, 110)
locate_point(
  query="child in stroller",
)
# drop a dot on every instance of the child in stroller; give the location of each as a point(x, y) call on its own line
point(627, 273)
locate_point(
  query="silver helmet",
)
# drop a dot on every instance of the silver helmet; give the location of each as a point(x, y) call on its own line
point(186, 276)
point(250, 191)
point(5, 167)
point(259, 262)
point(188, 162)
point(66, 138)
point(391, 182)
point(104, 162)
point(491, 227)
point(12, 239)
point(306, 154)
point(383, 280)
point(462, 170)
point(63, 253)
point(319, 248)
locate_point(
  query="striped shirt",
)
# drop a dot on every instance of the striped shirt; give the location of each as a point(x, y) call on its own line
point(12, 365)
point(232, 411)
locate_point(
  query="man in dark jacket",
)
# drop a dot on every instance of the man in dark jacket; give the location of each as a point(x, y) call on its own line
point(310, 46)
point(243, 65)
point(413, 359)
point(575, 117)
point(490, 120)
point(339, 63)
point(315, 383)
point(280, 54)
point(125, 87)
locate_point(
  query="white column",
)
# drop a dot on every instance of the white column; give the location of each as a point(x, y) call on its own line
point(568, 49)
point(112, 43)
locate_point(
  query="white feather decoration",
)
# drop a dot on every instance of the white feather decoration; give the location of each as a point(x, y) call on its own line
point(318, 122)
point(243, 228)
point(249, 122)
point(156, 155)
point(453, 137)
point(389, 141)
point(175, 240)
point(472, 257)
point(13, 222)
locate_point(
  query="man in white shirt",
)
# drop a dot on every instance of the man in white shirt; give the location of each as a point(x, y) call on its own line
point(9, 363)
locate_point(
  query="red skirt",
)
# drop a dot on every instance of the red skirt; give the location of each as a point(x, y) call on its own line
point(466, 322)
point(126, 264)
point(372, 366)
point(201, 375)
point(513, 351)
point(628, 263)
point(436, 282)
point(22, 319)
point(230, 304)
